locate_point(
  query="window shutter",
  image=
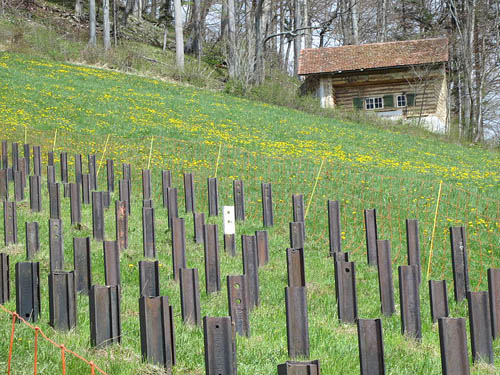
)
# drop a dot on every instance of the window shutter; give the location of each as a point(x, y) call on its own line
point(388, 100)
point(410, 100)
point(358, 103)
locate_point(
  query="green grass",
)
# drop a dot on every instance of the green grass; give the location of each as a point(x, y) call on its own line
point(364, 167)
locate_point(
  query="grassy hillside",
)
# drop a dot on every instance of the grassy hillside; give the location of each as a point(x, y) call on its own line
point(362, 167)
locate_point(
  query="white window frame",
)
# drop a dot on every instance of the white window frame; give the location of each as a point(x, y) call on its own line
point(405, 101)
point(372, 102)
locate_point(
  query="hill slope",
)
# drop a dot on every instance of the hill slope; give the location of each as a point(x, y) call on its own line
point(361, 166)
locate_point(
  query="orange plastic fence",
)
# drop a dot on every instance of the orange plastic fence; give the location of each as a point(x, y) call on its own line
point(38, 331)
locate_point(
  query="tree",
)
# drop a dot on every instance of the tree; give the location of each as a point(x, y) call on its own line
point(106, 25)
point(92, 24)
point(179, 37)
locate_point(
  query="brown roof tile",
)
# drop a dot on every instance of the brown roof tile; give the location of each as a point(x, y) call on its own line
point(374, 55)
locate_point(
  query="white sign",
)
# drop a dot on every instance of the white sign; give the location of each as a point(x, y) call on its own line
point(229, 227)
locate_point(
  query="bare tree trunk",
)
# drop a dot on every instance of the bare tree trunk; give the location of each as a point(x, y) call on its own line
point(193, 44)
point(258, 69)
point(231, 40)
point(307, 23)
point(165, 38)
point(179, 37)
point(92, 21)
point(106, 25)
point(287, 55)
point(115, 23)
point(224, 20)
point(281, 51)
point(297, 42)
point(129, 8)
point(354, 15)
point(78, 9)
point(249, 30)
point(383, 33)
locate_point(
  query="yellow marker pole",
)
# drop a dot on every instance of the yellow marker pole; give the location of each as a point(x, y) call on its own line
point(150, 151)
point(314, 188)
point(434, 230)
point(102, 156)
point(54, 143)
point(217, 163)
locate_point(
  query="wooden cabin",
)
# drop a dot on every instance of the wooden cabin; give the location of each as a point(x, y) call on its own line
point(396, 80)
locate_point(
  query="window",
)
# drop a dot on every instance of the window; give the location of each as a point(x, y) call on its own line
point(374, 103)
point(402, 101)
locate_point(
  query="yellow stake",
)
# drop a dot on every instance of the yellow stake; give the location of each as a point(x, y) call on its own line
point(314, 188)
point(150, 152)
point(434, 230)
point(102, 156)
point(54, 144)
point(218, 157)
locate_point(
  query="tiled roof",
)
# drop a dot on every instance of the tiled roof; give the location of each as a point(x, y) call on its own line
point(374, 55)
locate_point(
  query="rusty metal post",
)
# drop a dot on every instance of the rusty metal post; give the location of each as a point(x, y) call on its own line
point(37, 161)
point(438, 299)
point(18, 186)
point(82, 263)
point(126, 172)
point(212, 263)
point(64, 167)
point(338, 255)
point(85, 189)
point(62, 300)
point(371, 347)
point(262, 247)
point(251, 269)
point(173, 208)
point(198, 222)
point(267, 204)
point(299, 368)
point(56, 245)
point(148, 203)
point(5, 155)
point(238, 304)
point(297, 235)
point(297, 325)
point(453, 344)
point(32, 231)
point(409, 300)
point(50, 158)
point(299, 211)
point(189, 195)
point(22, 169)
point(494, 294)
point(156, 320)
point(4, 185)
point(347, 304)
point(66, 190)
point(229, 230)
point(51, 175)
point(239, 200)
point(110, 175)
point(75, 204)
point(28, 290)
point(295, 267)
point(385, 284)
point(166, 182)
point(178, 246)
point(124, 193)
point(148, 232)
point(97, 216)
point(146, 184)
point(27, 157)
point(413, 245)
point(459, 262)
point(78, 168)
point(35, 193)
point(149, 278)
point(111, 263)
point(105, 324)
point(10, 222)
point(4, 278)
point(121, 223)
point(220, 346)
point(15, 157)
point(92, 172)
point(480, 326)
point(190, 296)
point(334, 228)
point(371, 235)
point(213, 196)
point(54, 201)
